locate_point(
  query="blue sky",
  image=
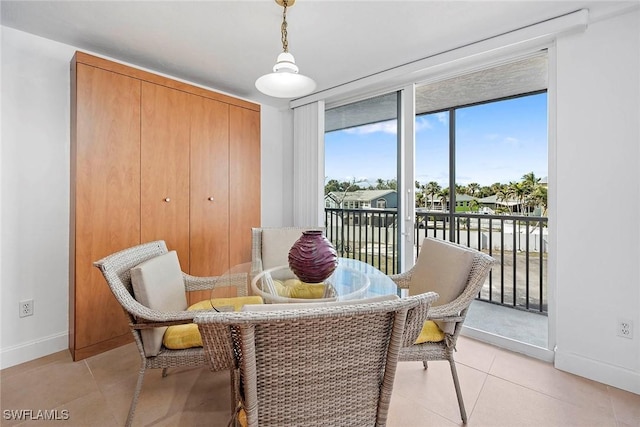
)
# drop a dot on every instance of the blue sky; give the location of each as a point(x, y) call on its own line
point(495, 142)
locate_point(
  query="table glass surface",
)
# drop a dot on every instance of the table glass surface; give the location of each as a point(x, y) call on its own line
point(352, 280)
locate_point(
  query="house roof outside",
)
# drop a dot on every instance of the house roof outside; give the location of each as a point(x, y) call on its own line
point(360, 195)
point(494, 200)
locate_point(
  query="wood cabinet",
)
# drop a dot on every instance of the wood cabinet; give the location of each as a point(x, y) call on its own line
point(164, 164)
point(153, 158)
point(209, 183)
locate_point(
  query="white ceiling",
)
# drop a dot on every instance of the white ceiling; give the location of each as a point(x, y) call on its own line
point(226, 45)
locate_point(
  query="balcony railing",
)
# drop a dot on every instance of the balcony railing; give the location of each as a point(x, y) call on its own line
point(517, 242)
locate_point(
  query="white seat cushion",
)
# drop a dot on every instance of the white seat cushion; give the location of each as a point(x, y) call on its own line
point(158, 284)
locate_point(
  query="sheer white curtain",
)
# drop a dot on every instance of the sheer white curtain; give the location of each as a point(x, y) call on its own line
point(308, 165)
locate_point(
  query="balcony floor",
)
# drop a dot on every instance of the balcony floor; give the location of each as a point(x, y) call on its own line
point(518, 325)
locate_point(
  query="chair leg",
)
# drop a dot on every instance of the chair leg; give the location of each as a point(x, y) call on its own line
point(424, 363)
point(234, 381)
point(456, 383)
point(164, 372)
point(136, 395)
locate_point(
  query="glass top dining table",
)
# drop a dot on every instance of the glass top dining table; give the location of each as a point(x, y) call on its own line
point(351, 280)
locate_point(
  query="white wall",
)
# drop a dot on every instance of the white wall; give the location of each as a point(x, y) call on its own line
point(277, 167)
point(35, 195)
point(35, 191)
point(598, 201)
point(598, 278)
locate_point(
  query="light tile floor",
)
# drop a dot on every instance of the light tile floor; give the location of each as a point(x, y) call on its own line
point(500, 388)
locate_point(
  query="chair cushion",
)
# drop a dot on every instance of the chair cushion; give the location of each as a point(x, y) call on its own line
point(441, 267)
point(158, 284)
point(430, 333)
point(276, 243)
point(294, 288)
point(179, 337)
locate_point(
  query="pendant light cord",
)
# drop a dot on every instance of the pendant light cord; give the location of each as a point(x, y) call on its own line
point(283, 28)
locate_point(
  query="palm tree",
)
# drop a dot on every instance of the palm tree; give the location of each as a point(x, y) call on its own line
point(473, 188)
point(539, 198)
point(443, 195)
point(517, 191)
point(530, 181)
point(502, 195)
point(432, 189)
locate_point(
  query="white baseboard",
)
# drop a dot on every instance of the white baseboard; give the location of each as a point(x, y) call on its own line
point(509, 344)
point(35, 349)
point(614, 376)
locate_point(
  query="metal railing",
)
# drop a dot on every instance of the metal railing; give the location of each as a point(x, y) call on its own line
point(517, 242)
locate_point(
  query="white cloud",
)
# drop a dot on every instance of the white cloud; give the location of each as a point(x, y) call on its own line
point(389, 126)
point(423, 122)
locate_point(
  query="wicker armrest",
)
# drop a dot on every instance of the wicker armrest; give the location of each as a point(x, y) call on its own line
point(141, 312)
point(237, 280)
point(445, 318)
point(402, 280)
point(193, 283)
point(149, 325)
point(448, 312)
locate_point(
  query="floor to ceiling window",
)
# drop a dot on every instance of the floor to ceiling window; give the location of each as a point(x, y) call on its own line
point(479, 154)
point(481, 174)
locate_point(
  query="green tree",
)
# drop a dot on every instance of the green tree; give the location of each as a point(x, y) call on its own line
point(341, 189)
point(518, 191)
point(473, 189)
point(539, 198)
point(421, 198)
point(443, 196)
point(432, 189)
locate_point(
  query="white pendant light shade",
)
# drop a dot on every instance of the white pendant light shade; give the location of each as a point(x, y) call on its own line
point(285, 82)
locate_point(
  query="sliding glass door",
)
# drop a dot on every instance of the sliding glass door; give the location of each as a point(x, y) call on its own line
point(361, 181)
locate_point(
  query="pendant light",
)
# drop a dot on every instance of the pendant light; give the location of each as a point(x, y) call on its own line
point(285, 81)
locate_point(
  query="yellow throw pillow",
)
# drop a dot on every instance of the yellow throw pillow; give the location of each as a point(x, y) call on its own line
point(294, 288)
point(299, 289)
point(430, 333)
point(179, 337)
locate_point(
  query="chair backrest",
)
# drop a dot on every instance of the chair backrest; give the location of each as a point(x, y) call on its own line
point(314, 367)
point(456, 272)
point(270, 245)
point(116, 269)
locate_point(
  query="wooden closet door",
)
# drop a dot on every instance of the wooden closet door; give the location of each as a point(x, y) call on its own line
point(209, 174)
point(165, 168)
point(244, 181)
point(105, 198)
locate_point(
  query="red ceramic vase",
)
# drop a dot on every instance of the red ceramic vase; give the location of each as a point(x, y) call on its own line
point(312, 257)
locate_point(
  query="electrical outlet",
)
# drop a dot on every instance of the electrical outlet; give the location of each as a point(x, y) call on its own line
point(625, 328)
point(26, 308)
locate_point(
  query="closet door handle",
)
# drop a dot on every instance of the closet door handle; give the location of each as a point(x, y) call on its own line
point(167, 200)
point(210, 199)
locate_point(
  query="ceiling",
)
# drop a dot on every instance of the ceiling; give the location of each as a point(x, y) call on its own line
point(226, 45)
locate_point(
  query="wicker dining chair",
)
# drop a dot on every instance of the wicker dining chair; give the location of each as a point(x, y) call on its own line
point(332, 365)
point(456, 273)
point(116, 269)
